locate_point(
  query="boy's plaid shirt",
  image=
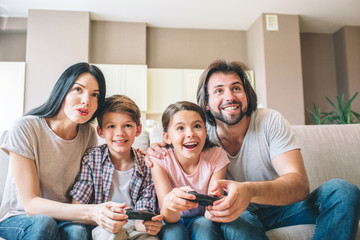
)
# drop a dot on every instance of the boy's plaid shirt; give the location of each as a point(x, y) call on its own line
point(94, 182)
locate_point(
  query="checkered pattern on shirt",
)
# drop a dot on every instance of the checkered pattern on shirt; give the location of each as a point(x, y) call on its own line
point(94, 182)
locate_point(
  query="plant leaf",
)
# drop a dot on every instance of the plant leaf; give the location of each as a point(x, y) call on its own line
point(332, 104)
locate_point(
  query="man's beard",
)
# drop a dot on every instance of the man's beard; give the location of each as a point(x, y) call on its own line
point(233, 119)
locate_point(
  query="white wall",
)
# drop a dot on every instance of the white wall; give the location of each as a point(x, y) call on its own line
point(12, 78)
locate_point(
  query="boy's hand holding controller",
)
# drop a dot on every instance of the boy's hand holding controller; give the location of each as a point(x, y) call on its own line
point(146, 221)
point(153, 227)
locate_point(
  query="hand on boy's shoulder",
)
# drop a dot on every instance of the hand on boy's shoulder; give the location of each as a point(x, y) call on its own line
point(141, 151)
point(156, 151)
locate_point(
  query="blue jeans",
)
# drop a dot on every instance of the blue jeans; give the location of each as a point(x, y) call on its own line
point(334, 207)
point(202, 228)
point(195, 228)
point(42, 227)
point(171, 231)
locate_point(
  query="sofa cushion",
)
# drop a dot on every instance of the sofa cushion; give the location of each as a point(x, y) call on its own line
point(330, 151)
point(298, 232)
point(142, 141)
point(155, 135)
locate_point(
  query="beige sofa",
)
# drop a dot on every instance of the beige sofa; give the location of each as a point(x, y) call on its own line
point(329, 151)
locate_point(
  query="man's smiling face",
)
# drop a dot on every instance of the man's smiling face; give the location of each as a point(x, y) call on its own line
point(227, 98)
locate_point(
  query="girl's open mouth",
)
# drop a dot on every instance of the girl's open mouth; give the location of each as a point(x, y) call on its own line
point(190, 145)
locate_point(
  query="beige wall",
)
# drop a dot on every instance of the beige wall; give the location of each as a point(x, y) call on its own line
point(13, 39)
point(55, 40)
point(13, 46)
point(256, 56)
point(13, 24)
point(353, 61)
point(319, 71)
point(276, 58)
point(283, 69)
point(347, 55)
point(341, 62)
point(117, 43)
point(193, 48)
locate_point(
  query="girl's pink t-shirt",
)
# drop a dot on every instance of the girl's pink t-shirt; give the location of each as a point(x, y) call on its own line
point(211, 161)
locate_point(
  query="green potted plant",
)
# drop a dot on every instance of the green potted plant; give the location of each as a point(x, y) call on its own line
point(342, 113)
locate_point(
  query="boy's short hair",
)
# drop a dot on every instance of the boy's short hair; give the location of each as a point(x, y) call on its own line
point(120, 104)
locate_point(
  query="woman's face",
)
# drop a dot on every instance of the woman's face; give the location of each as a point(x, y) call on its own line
point(81, 101)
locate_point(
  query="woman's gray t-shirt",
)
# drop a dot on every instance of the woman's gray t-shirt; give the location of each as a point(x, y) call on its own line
point(57, 160)
point(268, 135)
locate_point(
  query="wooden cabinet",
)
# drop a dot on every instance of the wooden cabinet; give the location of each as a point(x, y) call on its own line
point(130, 80)
point(166, 86)
point(153, 89)
point(191, 82)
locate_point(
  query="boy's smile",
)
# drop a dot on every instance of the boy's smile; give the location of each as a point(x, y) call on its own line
point(119, 132)
point(120, 142)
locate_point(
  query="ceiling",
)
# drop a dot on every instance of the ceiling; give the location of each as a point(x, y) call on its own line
point(320, 16)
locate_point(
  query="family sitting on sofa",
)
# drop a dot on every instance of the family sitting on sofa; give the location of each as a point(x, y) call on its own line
point(62, 185)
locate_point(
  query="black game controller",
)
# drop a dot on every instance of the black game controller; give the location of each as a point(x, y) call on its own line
point(203, 199)
point(141, 215)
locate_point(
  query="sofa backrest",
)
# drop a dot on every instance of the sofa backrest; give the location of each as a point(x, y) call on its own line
point(330, 151)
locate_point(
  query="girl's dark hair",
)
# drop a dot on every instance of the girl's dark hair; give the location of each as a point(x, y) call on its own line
point(224, 67)
point(64, 84)
point(183, 106)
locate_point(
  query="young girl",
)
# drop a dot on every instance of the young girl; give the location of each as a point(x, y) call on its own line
point(45, 148)
point(191, 163)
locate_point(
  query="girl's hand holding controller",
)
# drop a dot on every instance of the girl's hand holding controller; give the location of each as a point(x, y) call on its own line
point(179, 200)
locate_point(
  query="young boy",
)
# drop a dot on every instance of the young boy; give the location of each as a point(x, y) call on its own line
point(116, 172)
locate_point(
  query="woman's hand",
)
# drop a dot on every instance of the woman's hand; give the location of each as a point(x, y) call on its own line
point(153, 227)
point(155, 151)
point(176, 200)
point(110, 216)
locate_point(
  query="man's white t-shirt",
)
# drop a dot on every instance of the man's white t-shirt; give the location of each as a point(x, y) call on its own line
point(268, 135)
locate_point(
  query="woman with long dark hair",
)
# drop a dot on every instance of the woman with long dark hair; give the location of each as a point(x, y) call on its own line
point(45, 148)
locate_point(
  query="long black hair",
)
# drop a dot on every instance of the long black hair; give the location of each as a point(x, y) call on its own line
point(64, 84)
